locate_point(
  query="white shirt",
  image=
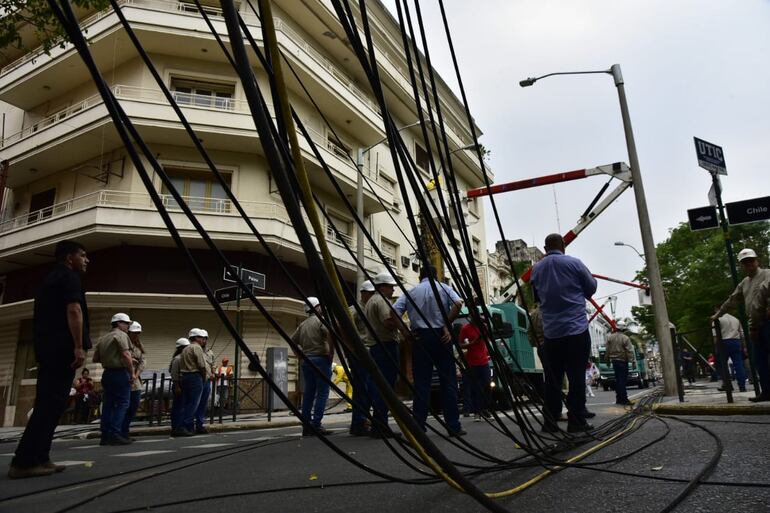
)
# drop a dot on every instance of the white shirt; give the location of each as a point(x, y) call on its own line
point(731, 327)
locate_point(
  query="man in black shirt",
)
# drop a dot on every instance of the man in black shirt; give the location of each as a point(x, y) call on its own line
point(61, 339)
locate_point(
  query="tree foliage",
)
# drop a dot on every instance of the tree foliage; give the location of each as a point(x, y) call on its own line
point(25, 24)
point(696, 276)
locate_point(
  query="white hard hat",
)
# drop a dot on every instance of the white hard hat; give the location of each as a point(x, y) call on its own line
point(181, 342)
point(135, 327)
point(367, 286)
point(120, 317)
point(312, 302)
point(746, 253)
point(621, 325)
point(197, 332)
point(384, 278)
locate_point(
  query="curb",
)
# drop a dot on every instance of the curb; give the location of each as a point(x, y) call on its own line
point(212, 428)
point(705, 409)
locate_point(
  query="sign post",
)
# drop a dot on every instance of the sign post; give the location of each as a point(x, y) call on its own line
point(712, 158)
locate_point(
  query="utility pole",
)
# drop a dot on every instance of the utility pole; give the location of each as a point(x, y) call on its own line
point(653, 270)
point(237, 366)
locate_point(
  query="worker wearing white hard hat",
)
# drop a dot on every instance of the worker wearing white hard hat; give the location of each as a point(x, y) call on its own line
point(384, 348)
point(137, 356)
point(113, 352)
point(177, 405)
point(754, 292)
point(619, 352)
point(315, 342)
point(195, 370)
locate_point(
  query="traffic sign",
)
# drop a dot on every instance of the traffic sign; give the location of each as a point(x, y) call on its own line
point(226, 294)
point(703, 218)
point(748, 211)
point(710, 156)
point(253, 278)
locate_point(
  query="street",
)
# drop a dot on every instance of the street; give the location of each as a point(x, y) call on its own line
point(277, 470)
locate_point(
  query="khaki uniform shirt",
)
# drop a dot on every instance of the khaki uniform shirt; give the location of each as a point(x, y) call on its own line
point(311, 336)
point(208, 356)
point(618, 347)
point(176, 373)
point(535, 332)
point(753, 292)
point(377, 311)
point(110, 347)
point(137, 356)
point(192, 360)
point(363, 332)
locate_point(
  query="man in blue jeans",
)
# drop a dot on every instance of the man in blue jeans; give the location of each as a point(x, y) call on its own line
point(193, 369)
point(314, 340)
point(112, 351)
point(208, 356)
point(360, 379)
point(620, 352)
point(754, 292)
point(430, 316)
point(732, 337)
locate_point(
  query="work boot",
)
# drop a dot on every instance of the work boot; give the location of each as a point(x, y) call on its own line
point(118, 440)
point(457, 434)
point(761, 399)
point(359, 431)
point(579, 428)
point(201, 430)
point(15, 472)
point(56, 468)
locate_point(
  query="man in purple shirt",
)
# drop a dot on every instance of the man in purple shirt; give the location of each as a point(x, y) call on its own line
point(563, 284)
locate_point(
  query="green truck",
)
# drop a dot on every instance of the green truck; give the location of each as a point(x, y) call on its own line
point(637, 371)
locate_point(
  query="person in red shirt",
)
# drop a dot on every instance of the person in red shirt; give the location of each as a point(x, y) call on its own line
point(477, 356)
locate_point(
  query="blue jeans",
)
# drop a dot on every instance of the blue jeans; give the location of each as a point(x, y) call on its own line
point(192, 388)
point(133, 405)
point(429, 350)
point(115, 398)
point(385, 355)
point(566, 355)
point(621, 380)
point(177, 410)
point(316, 389)
point(481, 377)
point(200, 411)
point(734, 352)
point(762, 357)
point(362, 388)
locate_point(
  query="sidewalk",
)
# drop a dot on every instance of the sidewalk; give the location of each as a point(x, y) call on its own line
point(703, 398)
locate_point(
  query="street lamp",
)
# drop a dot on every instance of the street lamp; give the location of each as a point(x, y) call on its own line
point(619, 243)
point(653, 271)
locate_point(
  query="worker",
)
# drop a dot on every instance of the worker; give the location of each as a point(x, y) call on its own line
point(223, 375)
point(360, 379)
point(314, 339)
point(113, 352)
point(193, 370)
point(432, 345)
point(473, 338)
point(732, 339)
point(564, 284)
point(200, 411)
point(177, 406)
point(384, 341)
point(753, 292)
point(619, 352)
point(340, 376)
point(137, 356)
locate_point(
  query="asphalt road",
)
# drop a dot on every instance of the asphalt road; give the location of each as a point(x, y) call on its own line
point(276, 470)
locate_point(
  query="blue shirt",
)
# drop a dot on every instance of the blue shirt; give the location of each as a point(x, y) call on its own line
point(426, 302)
point(563, 284)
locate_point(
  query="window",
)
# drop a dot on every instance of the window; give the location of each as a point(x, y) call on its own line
point(203, 94)
point(473, 206)
point(40, 205)
point(389, 251)
point(476, 246)
point(337, 147)
point(201, 190)
point(343, 230)
point(421, 157)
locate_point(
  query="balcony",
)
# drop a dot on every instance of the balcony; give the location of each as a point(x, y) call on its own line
point(108, 218)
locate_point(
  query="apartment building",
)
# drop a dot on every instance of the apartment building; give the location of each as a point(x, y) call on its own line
point(70, 177)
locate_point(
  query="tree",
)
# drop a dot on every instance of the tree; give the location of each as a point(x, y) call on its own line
point(696, 276)
point(28, 23)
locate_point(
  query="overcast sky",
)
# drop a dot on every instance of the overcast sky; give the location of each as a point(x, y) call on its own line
point(691, 68)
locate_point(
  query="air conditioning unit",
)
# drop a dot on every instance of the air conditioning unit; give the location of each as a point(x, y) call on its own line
point(404, 261)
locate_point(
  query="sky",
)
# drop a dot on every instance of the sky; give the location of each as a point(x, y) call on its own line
point(691, 68)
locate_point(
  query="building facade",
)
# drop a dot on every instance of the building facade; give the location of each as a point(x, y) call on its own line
point(70, 177)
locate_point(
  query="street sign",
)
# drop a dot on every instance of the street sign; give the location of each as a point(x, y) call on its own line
point(710, 156)
point(226, 294)
point(713, 194)
point(703, 218)
point(748, 211)
point(253, 278)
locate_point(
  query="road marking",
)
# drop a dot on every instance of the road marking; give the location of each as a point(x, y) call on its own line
point(8, 454)
point(260, 439)
point(205, 446)
point(140, 453)
point(151, 441)
point(73, 463)
point(85, 446)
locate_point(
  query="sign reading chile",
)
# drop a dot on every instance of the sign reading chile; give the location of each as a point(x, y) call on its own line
point(748, 211)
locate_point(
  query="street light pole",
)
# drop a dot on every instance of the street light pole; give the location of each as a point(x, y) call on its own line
point(653, 270)
point(659, 308)
point(619, 243)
